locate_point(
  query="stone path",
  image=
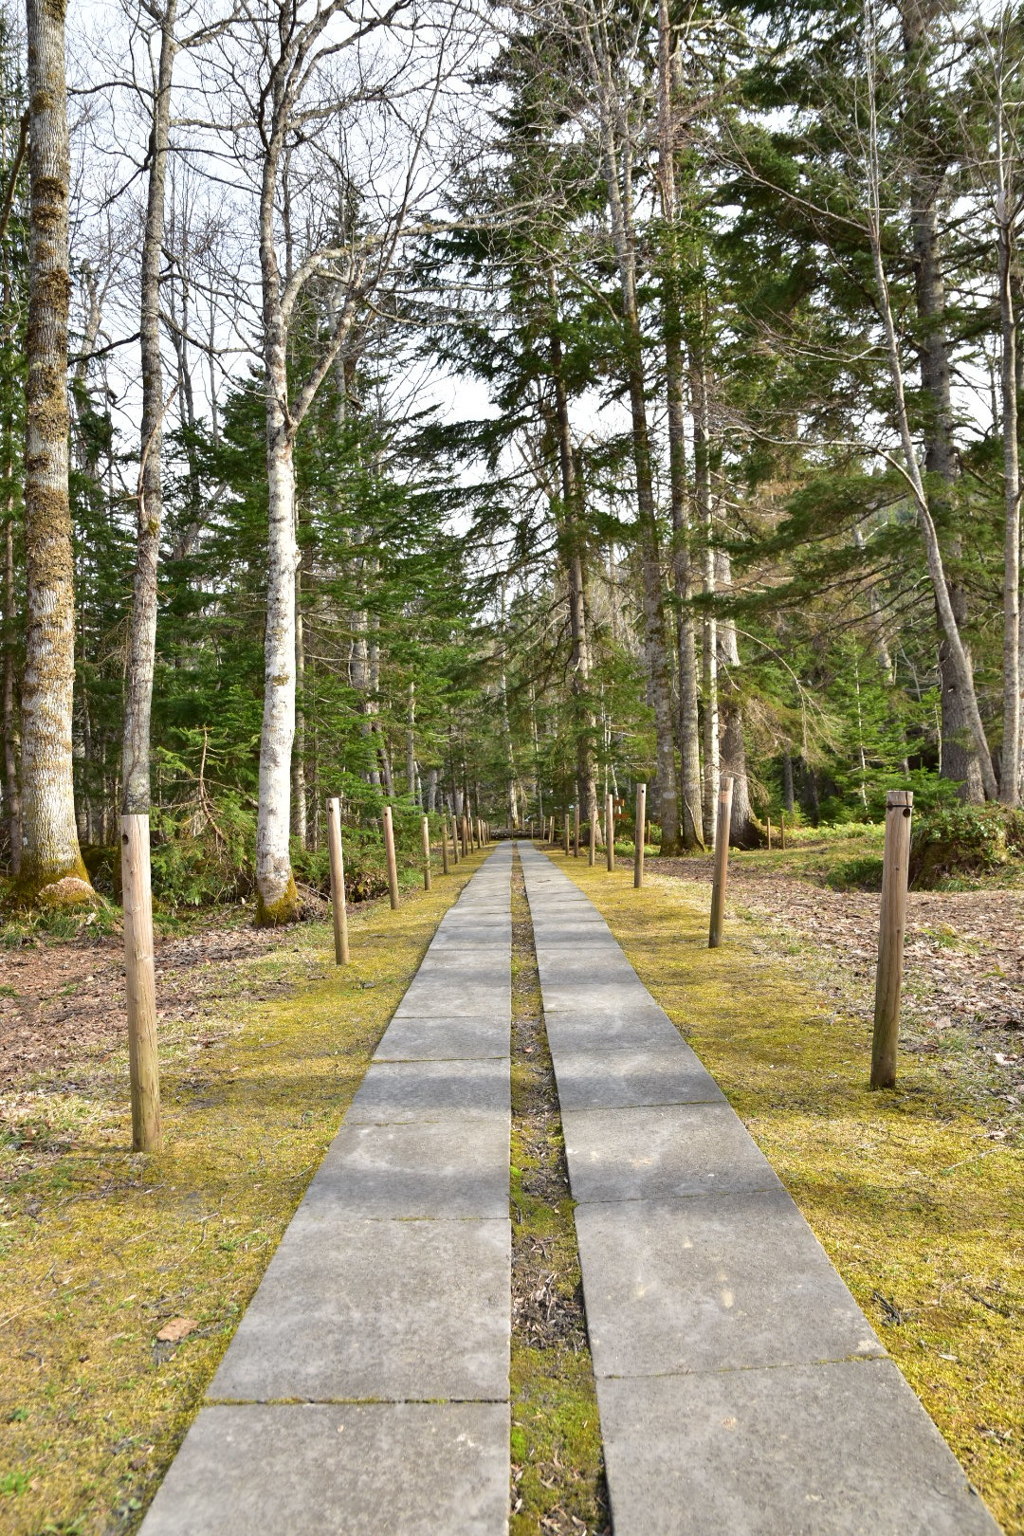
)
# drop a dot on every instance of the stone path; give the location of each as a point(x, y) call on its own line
point(366, 1390)
point(742, 1391)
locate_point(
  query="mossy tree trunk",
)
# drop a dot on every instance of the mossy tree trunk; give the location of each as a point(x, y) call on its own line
point(50, 849)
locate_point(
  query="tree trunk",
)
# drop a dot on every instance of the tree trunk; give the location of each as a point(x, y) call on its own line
point(299, 797)
point(12, 787)
point(1009, 778)
point(709, 650)
point(744, 829)
point(50, 837)
point(692, 830)
point(787, 782)
point(135, 755)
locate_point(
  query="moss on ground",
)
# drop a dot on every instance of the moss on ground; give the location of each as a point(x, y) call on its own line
point(99, 1248)
point(917, 1200)
point(558, 1486)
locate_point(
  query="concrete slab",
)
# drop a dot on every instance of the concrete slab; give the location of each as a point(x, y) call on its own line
point(719, 1282)
point(443, 1039)
point(457, 964)
point(621, 995)
point(661, 1074)
point(415, 1170)
point(335, 1471)
point(456, 996)
point(393, 1091)
point(661, 1151)
point(392, 1310)
point(827, 1450)
point(636, 1027)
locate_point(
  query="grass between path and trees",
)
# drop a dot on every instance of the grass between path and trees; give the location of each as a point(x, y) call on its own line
point(123, 1277)
point(916, 1194)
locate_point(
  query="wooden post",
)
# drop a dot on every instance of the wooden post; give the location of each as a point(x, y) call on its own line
point(769, 824)
point(721, 862)
point(426, 853)
point(567, 837)
point(892, 925)
point(639, 831)
point(389, 849)
point(143, 1063)
point(576, 833)
point(444, 845)
point(609, 830)
point(338, 909)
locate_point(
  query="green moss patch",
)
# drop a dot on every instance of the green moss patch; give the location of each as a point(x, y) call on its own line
point(100, 1248)
point(917, 1199)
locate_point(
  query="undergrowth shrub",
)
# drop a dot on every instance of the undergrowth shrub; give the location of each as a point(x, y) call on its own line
point(862, 874)
point(951, 841)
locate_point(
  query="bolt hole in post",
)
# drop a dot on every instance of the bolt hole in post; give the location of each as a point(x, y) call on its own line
point(892, 927)
point(426, 853)
point(639, 832)
point(389, 850)
point(721, 862)
point(140, 976)
point(337, 857)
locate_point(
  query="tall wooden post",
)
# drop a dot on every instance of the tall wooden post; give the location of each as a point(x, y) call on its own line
point(143, 1064)
point(576, 832)
point(338, 909)
point(892, 926)
point(768, 823)
point(609, 831)
point(389, 849)
point(721, 862)
point(639, 832)
point(426, 852)
point(444, 845)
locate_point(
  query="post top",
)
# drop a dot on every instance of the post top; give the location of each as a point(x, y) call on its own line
point(899, 797)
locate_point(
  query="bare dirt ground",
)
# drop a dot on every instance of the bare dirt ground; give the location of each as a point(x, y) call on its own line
point(964, 975)
point(62, 1003)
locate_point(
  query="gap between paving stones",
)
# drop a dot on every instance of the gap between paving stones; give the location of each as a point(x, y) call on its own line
point(741, 1388)
point(558, 1486)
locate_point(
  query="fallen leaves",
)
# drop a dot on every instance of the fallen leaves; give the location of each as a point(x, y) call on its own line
point(177, 1329)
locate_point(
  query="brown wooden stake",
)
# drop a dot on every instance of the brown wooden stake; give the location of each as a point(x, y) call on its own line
point(338, 908)
point(609, 830)
point(143, 1063)
point(426, 853)
point(892, 926)
point(769, 824)
point(576, 833)
point(389, 849)
point(721, 862)
point(444, 845)
point(639, 829)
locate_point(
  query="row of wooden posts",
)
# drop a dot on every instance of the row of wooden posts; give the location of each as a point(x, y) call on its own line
point(140, 970)
point(892, 922)
point(474, 831)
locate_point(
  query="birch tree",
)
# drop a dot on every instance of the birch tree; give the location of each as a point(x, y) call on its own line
point(50, 851)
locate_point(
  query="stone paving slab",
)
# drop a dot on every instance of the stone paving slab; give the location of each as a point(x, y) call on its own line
point(828, 1450)
point(651, 1074)
point(618, 999)
point(454, 996)
point(440, 1038)
point(721, 1282)
point(417, 1169)
point(394, 1091)
point(310, 1470)
point(363, 1308)
point(656, 1151)
point(637, 1027)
